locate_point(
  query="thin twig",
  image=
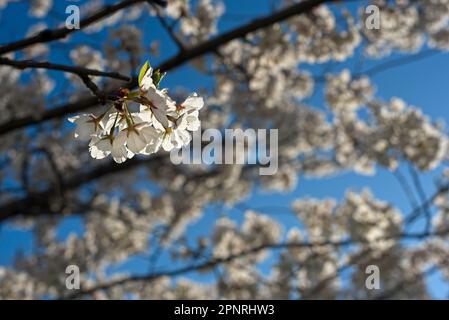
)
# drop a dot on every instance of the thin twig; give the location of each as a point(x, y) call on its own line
point(422, 195)
point(218, 261)
point(406, 188)
point(31, 64)
point(170, 30)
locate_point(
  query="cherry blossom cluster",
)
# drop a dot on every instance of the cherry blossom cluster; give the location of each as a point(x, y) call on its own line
point(160, 121)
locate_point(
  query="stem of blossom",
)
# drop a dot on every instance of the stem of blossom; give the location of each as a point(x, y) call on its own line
point(111, 132)
point(171, 119)
point(133, 94)
point(104, 113)
point(129, 117)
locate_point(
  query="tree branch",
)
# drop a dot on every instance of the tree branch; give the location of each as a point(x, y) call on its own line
point(79, 71)
point(417, 211)
point(82, 73)
point(218, 261)
point(388, 65)
point(168, 28)
point(40, 203)
point(173, 62)
point(422, 195)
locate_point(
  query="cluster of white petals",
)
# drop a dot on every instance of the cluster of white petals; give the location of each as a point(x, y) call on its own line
point(160, 122)
point(256, 230)
point(359, 216)
point(40, 8)
point(203, 22)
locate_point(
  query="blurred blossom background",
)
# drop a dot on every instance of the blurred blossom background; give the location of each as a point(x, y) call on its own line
point(363, 173)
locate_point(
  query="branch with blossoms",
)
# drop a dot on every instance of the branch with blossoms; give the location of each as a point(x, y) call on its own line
point(39, 203)
point(216, 261)
point(185, 56)
point(82, 73)
point(30, 64)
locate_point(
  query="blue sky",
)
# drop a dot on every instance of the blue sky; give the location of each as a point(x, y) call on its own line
point(424, 83)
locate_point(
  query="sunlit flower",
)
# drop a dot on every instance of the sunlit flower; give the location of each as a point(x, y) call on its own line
point(160, 123)
point(147, 81)
point(175, 137)
point(115, 146)
point(189, 111)
point(87, 125)
point(139, 136)
point(156, 108)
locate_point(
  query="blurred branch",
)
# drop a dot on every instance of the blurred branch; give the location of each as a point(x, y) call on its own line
point(322, 284)
point(417, 211)
point(388, 294)
point(170, 30)
point(82, 73)
point(204, 265)
point(422, 195)
point(218, 261)
point(172, 63)
point(406, 188)
point(52, 113)
point(388, 65)
point(62, 32)
point(394, 63)
point(40, 203)
point(59, 180)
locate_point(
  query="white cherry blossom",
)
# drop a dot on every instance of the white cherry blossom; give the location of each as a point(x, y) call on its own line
point(147, 80)
point(87, 125)
point(139, 136)
point(189, 111)
point(156, 108)
point(101, 147)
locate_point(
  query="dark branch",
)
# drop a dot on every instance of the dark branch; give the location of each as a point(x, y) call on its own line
point(38, 203)
point(79, 71)
point(82, 73)
point(269, 246)
point(417, 211)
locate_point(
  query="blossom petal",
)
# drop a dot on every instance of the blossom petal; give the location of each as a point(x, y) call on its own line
point(135, 142)
point(193, 102)
point(100, 149)
point(147, 80)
